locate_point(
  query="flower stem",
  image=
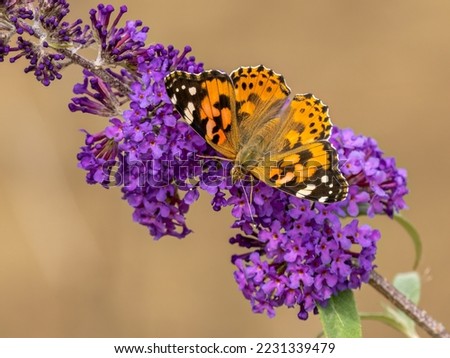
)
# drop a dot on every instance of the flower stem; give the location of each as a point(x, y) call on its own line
point(399, 300)
point(100, 72)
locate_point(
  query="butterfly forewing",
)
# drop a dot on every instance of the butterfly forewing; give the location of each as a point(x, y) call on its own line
point(260, 95)
point(207, 102)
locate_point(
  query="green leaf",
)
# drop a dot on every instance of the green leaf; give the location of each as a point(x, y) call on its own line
point(408, 283)
point(408, 327)
point(391, 319)
point(382, 317)
point(340, 318)
point(411, 230)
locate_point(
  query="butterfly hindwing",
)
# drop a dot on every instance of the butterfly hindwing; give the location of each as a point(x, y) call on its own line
point(309, 172)
point(302, 162)
point(207, 103)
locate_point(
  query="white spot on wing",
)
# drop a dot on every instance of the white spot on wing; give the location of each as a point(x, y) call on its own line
point(174, 99)
point(183, 87)
point(322, 199)
point(192, 91)
point(191, 106)
point(305, 191)
point(324, 179)
point(188, 116)
point(299, 195)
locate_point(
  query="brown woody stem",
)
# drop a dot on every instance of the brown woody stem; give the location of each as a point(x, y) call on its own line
point(399, 300)
point(99, 72)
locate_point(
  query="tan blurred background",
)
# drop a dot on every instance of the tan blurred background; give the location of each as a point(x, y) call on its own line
point(74, 264)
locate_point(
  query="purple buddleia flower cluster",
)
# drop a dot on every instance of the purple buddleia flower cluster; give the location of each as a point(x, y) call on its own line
point(51, 14)
point(117, 44)
point(297, 255)
point(47, 32)
point(145, 150)
point(300, 256)
point(10, 11)
point(293, 254)
point(44, 22)
point(377, 186)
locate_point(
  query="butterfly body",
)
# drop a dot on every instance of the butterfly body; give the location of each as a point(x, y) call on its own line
point(248, 118)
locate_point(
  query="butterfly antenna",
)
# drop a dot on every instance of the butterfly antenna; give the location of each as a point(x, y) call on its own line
point(251, 189)
point(247, 199)
point(214, 157)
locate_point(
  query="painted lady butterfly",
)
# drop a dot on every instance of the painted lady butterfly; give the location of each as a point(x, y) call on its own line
point(247, 117)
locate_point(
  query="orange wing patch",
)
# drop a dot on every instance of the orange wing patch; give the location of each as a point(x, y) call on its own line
point(305, 121)
point(215, 109)
point(257, 89)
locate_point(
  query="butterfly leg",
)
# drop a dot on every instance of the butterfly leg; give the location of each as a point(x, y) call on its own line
point(214, 157)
